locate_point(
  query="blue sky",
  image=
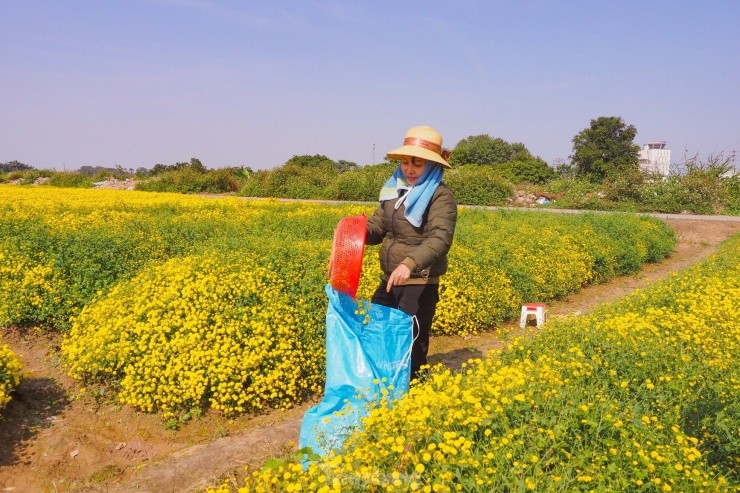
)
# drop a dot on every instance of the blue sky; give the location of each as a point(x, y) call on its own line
point(241, 83)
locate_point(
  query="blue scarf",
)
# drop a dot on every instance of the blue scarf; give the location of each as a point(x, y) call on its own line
point(417, 197)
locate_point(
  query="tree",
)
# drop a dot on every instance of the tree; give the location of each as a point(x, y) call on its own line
point(307, 161)
point(197, 166)
point(532, 170)
point(486, 150)
point(14, 166)
point(194, 165)
point(605, 148)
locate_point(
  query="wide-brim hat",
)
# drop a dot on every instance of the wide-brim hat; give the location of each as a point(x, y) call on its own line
point(423, 142)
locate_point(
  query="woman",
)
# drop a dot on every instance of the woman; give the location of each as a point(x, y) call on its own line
point(415, 222)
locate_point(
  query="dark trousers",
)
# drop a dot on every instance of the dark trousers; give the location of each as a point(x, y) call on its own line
point(415, 299)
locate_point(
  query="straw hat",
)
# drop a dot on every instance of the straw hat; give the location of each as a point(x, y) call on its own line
point(423, 142)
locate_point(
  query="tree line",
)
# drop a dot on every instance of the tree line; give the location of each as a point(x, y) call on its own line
point(603, 148)
point(603, 173)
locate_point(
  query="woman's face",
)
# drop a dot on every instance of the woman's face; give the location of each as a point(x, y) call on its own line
point(412, 168)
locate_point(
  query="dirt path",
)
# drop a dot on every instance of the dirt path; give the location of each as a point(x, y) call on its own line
point(52, 439)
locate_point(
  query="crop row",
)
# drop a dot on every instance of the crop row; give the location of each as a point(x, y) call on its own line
point(641, 395)
point(181, 303)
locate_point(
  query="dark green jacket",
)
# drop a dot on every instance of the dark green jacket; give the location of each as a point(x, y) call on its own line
point(424, 249)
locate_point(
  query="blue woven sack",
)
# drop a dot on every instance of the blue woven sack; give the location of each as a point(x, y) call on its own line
point(368, 355)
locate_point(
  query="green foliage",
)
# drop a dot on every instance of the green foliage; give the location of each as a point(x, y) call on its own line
point(362, 184)
point(70, 180)
point(625, 186)
point(483, 149)
point(221, 181)
point(532, 170)
point(709, 187)
point(605, 148)
point(14, 166)
point(343, 166)
point(195, 165)
point(565, 169)
point(312, 177)
point(733, 196)
point(301, 177)
point(100, 173)
point(188, 180)
point(316, 161)
point(71, 268)
point(478, 185)
point(575, 193)
point(604, 244)
point(257, 185)
point(29, 177)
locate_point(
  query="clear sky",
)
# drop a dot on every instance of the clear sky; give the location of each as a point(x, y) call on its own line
point(253, 83)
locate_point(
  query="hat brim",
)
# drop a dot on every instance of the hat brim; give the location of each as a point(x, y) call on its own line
point(420, 152)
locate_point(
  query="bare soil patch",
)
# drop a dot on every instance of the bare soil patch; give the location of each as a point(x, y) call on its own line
point(56, 439)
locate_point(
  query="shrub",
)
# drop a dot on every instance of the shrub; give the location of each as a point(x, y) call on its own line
point(220, 181)
point(213, 331)
point(58, 250)
point(486, 150)
point(641, 395)
point(624, 186)
point(705, 188)
point(257, 185)
point(532, 170)
point(30, 176)
point(186, 180)
point(289, 182)
point(478, 185)
point(70, 180)
point(301, 177)
point(93, 258)
point(14, 166)
point(733, 195)
point(363, 184)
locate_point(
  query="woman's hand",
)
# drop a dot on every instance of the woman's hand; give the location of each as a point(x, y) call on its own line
point(398, 277)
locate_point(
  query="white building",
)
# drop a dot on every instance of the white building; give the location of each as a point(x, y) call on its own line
point(655, 158)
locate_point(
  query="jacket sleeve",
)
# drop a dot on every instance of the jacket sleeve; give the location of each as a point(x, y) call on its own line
point(374, 230)
point(440, 229)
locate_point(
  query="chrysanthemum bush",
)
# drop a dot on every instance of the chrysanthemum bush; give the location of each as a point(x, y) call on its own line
point(501, 260)
point(30, 289)
point(62, 247)
point(641, 395)
point(10, 373)
point(197, 332)
point(87, 257)
point(59, 248)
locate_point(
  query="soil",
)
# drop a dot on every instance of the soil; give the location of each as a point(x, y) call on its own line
point(56, 439)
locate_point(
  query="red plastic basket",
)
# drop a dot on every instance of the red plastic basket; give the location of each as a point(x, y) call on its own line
point(345, 264)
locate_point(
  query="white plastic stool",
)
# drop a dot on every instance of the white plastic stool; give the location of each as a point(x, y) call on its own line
point(536, 309)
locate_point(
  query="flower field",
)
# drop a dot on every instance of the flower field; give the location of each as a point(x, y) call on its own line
point(640, 395)
point(178, 304)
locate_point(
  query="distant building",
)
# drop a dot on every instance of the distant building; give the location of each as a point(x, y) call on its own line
point(655, 158)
